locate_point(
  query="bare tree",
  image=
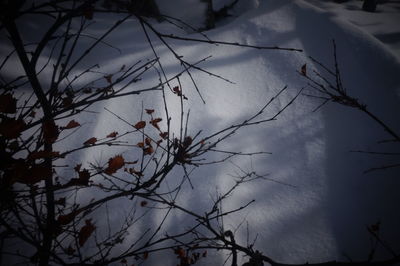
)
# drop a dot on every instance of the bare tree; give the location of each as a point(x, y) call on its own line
point(44, 220)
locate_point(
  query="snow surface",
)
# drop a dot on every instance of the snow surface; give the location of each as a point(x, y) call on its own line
point(383, 24)
point(323, 213)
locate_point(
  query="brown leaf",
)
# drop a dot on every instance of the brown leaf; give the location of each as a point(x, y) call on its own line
point(155, 122)
point(145, 255)
point(82, 180)
point(143, 203)
point(164, 135)
point(109, 78)
point(11, 128)
point(304, 70)
point(35, 174)
point(8, 104)
point(140, 125)
point(88, 12)
point(180, 252)
point(149, 111)
point(67, 101)
point(133, 171)
point(77, 168)
point(43, 154)
point(148, 151)
point(140, 144)
point(147, 141)
point(90, 141)
point(67, 218)
point(187, 142)
point(60, 201)
point(50, 131)
point(70, 251)
point(112, 134)
point(71, 124)
point(85, 232)
point(32, 114)
point(114, 164)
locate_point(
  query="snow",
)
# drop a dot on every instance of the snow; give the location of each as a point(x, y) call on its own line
point(383, 24)
point(321, 208)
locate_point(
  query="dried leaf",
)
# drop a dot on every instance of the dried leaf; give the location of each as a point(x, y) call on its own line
point(8, 104)
point(85, 232)
point(155, 122)
point(180, 252)
point(43, 154)
point(11, 128)
point(164, 135)
point(143, 203)
point(133, 171)
point(145, 255)
point(140, 144)
point(67, 218)
point(50, 131)
point(90, 141)
point(114, 164)
point(304, 70)
point(35, 174)
point(149, 111)
point(147, 141)
point(60, 201)
point(140, 125)
point(148, 151)
point(67, 101)
point(88, 12)
point(187, 142)
point(112, 134)
point(32, 114)
point(71, 124)
point(109, 78)
point(82, 180)
point(70, 251)
point(77, 168)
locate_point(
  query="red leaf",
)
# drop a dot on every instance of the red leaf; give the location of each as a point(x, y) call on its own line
point(155, 122)
point(35, 174)
point(85, 232)
point(70, 251)
point(60, 201)
point(88, 12)
point(50, 131)
point(140, 125)
point(112, 135)
point(149, 111)
point(67, 218)
point(140, 144)
point(145, 255)
point(180, 252)
point(143, 203)
point(90, 141)
point(11, 128)
point(114, 164)
point(8, 104)
point(108, 78)
point(67, 101)
point(43, 154)
point(164, 135)
point(148, 151)
point(71, 124)
point(304, 70)
point(147, 141)
point(82, 180)
point(77, 168)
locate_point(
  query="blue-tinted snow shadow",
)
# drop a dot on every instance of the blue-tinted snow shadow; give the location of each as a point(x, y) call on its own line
point(370, 74)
